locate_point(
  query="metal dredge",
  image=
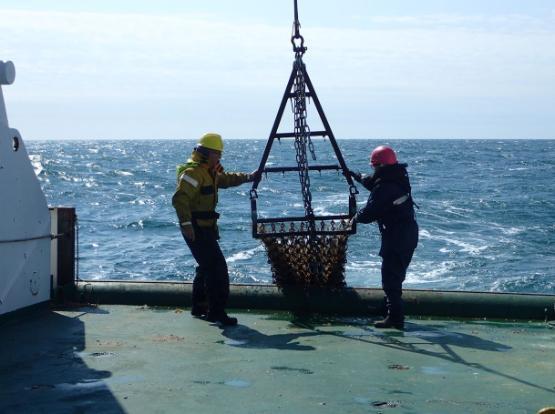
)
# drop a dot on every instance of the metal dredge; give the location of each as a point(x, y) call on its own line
point(309, 250)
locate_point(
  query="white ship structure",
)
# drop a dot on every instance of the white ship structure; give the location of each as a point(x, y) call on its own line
point(25, 229)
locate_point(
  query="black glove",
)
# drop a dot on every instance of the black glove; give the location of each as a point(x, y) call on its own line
point(356, 175)
point(255, 175)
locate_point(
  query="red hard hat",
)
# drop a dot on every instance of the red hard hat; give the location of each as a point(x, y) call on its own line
point(383, 155)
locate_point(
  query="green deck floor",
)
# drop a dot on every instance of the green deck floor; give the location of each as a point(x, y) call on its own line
point(144, 360)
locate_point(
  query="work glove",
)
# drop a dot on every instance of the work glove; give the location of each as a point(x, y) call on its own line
point(218, 168)
point(367, 181)
point(187, 231)
point(255, 175)
point(357, 176)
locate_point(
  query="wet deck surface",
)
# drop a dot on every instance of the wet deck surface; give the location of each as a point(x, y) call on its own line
point(116, 359)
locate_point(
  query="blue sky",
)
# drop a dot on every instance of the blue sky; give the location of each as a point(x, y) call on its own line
point(382, 69)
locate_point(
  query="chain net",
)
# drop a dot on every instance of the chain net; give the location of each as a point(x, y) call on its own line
point(307, 261)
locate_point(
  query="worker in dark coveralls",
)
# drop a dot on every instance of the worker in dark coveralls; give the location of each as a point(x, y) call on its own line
point(195, 201)
point(390, 204)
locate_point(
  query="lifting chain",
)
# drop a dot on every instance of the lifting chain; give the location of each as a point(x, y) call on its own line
point(299, 48)
point(302, 130)
point(302, 139)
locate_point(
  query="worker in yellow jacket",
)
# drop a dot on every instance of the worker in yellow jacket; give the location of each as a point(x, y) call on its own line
point(195, 201)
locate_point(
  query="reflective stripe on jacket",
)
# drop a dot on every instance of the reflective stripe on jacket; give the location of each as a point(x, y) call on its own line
point(196, 195)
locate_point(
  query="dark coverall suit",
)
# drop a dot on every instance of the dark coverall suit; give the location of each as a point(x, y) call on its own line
point(390, 204)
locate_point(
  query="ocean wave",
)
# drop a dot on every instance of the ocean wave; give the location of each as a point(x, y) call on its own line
point(123, 173)
point(320, 210)
point(143, 201)
point(510, 230)
point(145, 224)
point(236, 276)
point(356, 265)
point(244, 255)
point(270, 190)
point(36, 162)
point(534, 283)
point(465, 246)
point(430, 271)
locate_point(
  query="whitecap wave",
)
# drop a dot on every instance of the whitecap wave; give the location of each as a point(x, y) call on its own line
point(245, 254)
point(509, 231)
point(473, 249)
point(322, 211)
point(36, 162)
point(356, 265)
point(430, 272)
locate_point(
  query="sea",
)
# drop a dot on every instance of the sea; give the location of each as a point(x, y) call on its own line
point(486, 208)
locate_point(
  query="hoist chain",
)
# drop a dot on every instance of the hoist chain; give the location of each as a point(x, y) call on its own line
point(302, 134)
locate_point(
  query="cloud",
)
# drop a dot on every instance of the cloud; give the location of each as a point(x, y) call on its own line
point(118, 55)
point(482, 22)
point(95, 54)
point(205, 64)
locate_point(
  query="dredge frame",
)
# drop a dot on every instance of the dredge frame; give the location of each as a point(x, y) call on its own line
point(299, 87)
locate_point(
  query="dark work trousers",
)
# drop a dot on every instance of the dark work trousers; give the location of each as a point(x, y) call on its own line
point(396, 256)
point(394, 270)
point(211, 279)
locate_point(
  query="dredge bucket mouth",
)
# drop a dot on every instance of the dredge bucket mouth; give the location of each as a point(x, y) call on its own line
point(300, 226)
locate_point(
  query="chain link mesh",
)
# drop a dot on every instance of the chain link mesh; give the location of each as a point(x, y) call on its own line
point(292, 260)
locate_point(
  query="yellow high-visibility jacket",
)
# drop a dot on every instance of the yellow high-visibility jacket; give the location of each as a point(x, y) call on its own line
point(196, 196)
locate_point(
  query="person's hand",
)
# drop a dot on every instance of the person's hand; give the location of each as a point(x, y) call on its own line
point(255, 175)
point(218, 168)
point(188, 231)
point(356, 175)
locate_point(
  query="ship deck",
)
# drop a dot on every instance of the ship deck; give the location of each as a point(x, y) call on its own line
point(139, 359)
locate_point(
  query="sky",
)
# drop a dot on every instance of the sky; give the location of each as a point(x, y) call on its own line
point(384, 69)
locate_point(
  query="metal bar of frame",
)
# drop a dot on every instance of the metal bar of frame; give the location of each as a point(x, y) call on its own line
point(292, 134)
point(310, 168)
point(293, 95)
point(303, 218)
point(277, 121)
point(304, 233)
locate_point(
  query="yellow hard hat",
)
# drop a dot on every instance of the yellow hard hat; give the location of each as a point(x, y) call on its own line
point(212, 141)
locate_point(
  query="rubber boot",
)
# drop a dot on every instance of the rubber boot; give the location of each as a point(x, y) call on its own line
point(221, 318)
point(394, 318)
point(389, 322)
point(199, 310)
